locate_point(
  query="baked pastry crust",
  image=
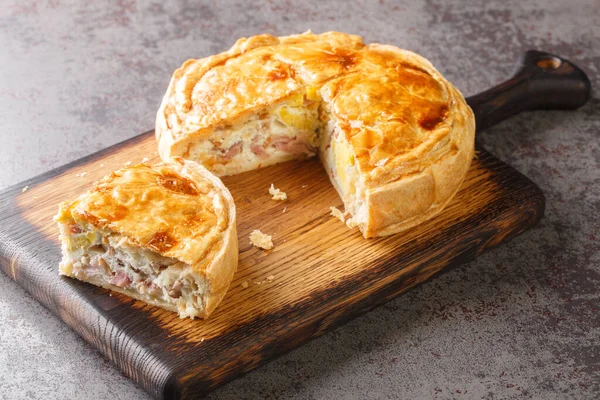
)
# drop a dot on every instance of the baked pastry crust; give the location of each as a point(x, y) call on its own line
point(175, 213)
point(409, 131)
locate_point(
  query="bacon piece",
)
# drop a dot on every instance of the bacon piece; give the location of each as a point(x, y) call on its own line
point(120, 279)
point(233, 151)
point(258, 149)
point(291, 145)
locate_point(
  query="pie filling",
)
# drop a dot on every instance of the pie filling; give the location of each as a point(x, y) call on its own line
point(110, 260)
point(286, 132)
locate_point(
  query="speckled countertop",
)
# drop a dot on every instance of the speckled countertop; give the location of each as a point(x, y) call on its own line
point(522, 321)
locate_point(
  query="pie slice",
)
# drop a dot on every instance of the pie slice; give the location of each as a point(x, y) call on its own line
point(164, 234)
point(395, 137)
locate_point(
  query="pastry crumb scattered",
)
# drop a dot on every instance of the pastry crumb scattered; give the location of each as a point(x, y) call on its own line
point(304, 186)
point(350, 222)
point(269, 279)
point(201, 340)
point(337, 213)
point(102, 165)
point(35, 197)
point(284, 209)
point(81, 175)
point(127, 164)
point(259, 239)
point(277, 194)
point(145, 160)
point(24, 189)
point(244, 284)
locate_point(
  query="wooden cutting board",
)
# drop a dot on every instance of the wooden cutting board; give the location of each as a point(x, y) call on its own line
point(319, 275)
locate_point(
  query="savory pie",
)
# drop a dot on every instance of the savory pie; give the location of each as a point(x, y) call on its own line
point(395, 137)
point(164, 234)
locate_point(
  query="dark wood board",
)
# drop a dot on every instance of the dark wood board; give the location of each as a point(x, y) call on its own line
point(324, 273)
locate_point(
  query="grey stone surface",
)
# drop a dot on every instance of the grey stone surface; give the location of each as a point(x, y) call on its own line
point(522, 321)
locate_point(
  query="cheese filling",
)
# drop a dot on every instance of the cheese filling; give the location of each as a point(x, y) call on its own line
point(109, 260)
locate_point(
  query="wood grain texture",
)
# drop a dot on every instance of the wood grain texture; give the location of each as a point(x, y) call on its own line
point(324, 273)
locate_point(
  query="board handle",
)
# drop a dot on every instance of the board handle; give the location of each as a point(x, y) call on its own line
point(543, 81)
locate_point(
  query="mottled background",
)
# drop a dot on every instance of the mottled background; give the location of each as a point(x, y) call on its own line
point(522, 321)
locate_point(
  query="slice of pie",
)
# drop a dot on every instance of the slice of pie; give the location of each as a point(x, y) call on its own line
point(164, 234)
point(395, 137)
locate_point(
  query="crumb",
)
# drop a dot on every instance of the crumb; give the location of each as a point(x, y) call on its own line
point(24, 189)
point(269, 279)
point(381, 162)
point(337, 213)
point(110, 294)
point(350, 223)
point(244, 284)
point(277, 194)
point(284, 209)
point(201, 340)
point(145, 160)
point(81, 175)
point(35, 197)
point(259, 239)
point(127, 164)
point(102, 165)
point(303, 186)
